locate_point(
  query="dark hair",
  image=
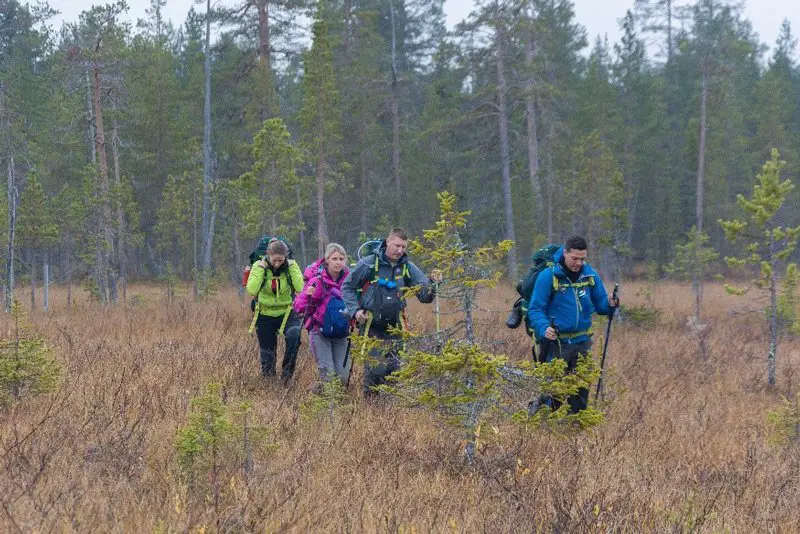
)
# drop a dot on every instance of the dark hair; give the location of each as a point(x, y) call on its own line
point(277, 247)
point(399, 232)
point(575, 242)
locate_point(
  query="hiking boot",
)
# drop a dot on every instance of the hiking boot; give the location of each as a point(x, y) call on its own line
point(267, 362)
point(286, 380)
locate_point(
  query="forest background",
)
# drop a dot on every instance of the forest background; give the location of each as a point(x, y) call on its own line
point(134, 153)
point(153, 151)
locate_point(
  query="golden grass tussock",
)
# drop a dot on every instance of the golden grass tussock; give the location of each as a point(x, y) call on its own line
point(684, 448)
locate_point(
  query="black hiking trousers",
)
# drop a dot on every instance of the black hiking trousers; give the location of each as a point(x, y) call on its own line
point(267, 331)
point(384, 360)
point(569, 352)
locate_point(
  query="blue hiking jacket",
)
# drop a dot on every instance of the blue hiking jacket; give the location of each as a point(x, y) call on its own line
point(572, 305)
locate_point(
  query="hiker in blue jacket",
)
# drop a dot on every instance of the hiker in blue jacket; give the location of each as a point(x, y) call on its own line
point(568, 293)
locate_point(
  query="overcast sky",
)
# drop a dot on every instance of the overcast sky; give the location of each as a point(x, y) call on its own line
point(600, 17)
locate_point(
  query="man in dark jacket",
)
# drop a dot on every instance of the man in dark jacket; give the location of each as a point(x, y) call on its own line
point(568, 293)
point(380, 278)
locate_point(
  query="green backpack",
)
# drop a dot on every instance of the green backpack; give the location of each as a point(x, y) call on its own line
point(541, 260)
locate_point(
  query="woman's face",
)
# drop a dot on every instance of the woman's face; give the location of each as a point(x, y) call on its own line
point(276, 260)
point(335, 263)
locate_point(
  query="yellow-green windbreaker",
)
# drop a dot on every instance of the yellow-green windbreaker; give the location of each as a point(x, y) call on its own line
point(269, 303)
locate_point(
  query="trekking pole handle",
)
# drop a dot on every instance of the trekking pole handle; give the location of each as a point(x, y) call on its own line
point(615, 294)
point(553, 324)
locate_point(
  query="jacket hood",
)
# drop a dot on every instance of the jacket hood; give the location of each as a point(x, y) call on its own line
point(318, 269)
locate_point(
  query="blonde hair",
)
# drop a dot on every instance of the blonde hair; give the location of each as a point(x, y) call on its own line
point(334, 247)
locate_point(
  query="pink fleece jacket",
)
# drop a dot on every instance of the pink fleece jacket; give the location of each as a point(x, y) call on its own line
point(312, 308)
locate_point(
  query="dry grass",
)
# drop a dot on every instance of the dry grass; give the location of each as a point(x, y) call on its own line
point(684, 447)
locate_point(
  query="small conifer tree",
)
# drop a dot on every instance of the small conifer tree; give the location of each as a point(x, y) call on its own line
point(218, 445)
point(26, 364)
point(766, 244)
point(455, 377)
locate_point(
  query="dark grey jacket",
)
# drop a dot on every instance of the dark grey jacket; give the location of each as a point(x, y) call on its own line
point(364, 272)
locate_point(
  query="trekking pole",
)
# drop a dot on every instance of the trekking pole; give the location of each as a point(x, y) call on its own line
point(552, 343)
point(614, 298)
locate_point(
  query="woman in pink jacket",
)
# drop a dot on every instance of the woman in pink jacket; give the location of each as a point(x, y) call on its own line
point(321, 305)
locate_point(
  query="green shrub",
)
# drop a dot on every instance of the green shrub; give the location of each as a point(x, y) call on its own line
point(26, 364)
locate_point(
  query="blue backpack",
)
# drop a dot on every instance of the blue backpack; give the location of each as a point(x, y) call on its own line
point(335, 323)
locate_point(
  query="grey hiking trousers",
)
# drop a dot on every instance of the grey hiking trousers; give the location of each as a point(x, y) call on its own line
point(331, 355)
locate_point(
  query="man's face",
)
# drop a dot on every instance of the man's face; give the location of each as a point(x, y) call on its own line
point(574, 259)
point(395, 247)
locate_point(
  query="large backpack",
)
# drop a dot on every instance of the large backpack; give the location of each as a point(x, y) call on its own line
point(260, 252)
point(541, 260)
point(385, 302)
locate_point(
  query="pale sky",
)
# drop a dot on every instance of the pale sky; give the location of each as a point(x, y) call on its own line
point(600, 17)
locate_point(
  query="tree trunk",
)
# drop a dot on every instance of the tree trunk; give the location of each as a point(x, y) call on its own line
point(67, 259)
point(46, 284)
point(205, 263)
point(263, 35)
point(347, 9)
point(395, 112)
point(530, 112)
point(237, 256)
point(322, 227)
point(122, 256)
point(211, 226)
point(669, 30)
point(772, 356)
point(302, 223)
point(92, 147)
point(364, 181)
point(32, 261)
point(697, 281)
point(12, 225)
point(105, 246)
point(505, 154)
point(701, 152)
point(195, 245)
point(269, 100)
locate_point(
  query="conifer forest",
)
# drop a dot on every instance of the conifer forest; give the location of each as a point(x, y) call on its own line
point(151, 150)
point(142, 162)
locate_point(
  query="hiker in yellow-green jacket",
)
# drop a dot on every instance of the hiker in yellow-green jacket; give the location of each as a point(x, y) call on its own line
point(274, 281)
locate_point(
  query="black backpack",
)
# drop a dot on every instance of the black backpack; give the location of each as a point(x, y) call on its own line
point(541, 260)
point(384, 302)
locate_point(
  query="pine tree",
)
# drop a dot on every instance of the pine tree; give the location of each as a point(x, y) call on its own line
point(264, 197)
point(766, 243)
point(38, 229)
point(321, 118)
